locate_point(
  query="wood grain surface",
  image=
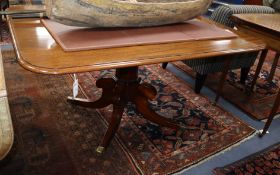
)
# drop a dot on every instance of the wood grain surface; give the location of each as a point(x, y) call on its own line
point(264, 26)
point(37, 51)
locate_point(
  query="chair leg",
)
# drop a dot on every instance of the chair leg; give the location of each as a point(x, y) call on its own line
point(258, 70)
point(272, 114)
point(244, 74)
point(223, 79)
point(273, 67)
point(164, 65)
point(199, 82)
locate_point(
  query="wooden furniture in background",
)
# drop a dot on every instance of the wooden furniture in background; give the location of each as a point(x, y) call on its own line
point(267, 28)
point(253, 2)
point(37, 51)
point(221, 15)
point(26, 10)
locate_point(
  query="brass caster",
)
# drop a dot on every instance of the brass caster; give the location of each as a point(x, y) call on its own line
point(100, 149)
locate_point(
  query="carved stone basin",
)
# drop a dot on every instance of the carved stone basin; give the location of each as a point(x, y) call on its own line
point(124, 13)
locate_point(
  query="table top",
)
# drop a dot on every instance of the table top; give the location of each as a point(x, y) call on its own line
point(37, 51)
point(24, 9)
point(269, 23)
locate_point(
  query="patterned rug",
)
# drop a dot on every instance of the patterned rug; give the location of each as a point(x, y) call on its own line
point(265, 162)
point(259, 104)
point(54, 137)
point(5, 34)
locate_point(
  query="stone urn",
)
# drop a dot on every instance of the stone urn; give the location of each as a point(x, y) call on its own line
point(124, 13)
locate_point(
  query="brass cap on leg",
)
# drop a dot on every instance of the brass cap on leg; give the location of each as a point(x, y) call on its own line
point(100, 149)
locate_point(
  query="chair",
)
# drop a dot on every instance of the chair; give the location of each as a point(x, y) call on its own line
point(203, 67)
point(4, 4)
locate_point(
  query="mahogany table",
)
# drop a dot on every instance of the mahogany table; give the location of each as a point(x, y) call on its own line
point(39, 52)
point(267, 28)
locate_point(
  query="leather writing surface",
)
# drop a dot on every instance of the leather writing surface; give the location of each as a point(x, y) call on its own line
point(72, 38)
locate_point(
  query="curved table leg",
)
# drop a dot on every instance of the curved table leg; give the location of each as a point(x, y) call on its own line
point(144, 93)
point(108, 85)
point(119, 92)
point(112, 128)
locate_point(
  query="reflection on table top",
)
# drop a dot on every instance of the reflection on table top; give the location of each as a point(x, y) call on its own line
point(24, 9)
point(39, 52)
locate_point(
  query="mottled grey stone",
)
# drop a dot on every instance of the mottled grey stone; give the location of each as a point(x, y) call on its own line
point(124, 13)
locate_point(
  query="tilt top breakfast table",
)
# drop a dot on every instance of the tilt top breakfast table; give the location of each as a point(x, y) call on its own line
point(37, 51)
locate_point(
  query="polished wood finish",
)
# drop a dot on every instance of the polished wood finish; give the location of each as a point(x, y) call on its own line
point(264, 26)
point(36, 8)
point(37, 51)
point(24, 9)
point(124, 88)
point(267, 28)
point(40, 53)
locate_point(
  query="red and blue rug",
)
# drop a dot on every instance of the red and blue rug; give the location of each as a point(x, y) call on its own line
point(265, 162)
point(54, 137)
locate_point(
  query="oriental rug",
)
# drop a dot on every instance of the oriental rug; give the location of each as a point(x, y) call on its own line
point(259, 104)
point(54, 137)
point(265, 162)
point(5, 37)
